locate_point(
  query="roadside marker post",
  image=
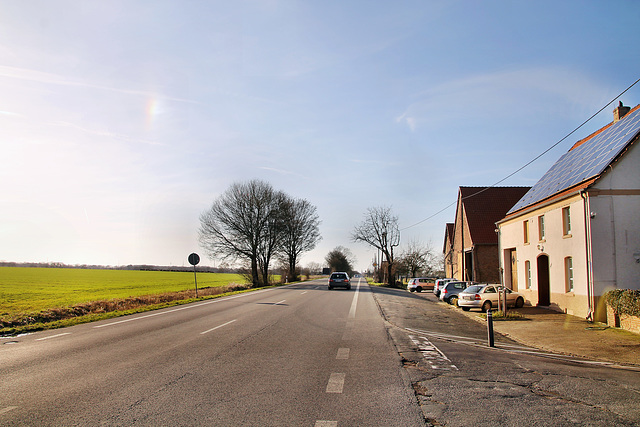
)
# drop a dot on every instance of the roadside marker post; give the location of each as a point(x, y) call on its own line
point(194, 259)
point(490, 327)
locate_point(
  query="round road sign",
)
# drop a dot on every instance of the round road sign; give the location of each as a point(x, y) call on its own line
point(194, 259)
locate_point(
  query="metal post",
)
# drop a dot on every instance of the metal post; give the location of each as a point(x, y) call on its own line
point(490, 327)
point(195, 279)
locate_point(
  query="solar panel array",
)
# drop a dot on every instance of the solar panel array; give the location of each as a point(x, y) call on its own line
point(583, 162)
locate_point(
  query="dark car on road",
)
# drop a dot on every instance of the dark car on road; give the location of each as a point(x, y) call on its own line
point(450, 291)
point(339, 280)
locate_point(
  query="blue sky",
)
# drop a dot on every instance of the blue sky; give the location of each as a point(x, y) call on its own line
point(120, 122)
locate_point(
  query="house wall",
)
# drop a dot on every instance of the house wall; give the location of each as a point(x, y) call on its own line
point(614, 205)
point(486, 263)
point(557, 247)
point(458, 251)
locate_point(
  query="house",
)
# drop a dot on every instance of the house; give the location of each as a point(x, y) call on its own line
point(576, 234)
point(473, 251)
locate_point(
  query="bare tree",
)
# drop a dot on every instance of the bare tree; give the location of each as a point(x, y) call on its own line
point(340, 259)
point(239, 225)
point(300, 234)
point(419, 258)
point(380, 230)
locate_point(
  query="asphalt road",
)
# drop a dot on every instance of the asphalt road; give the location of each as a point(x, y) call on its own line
point(460, 381)
point(301, 355)
point(295, 355)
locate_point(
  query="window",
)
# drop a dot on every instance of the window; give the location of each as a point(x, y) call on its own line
point(566, 221)
point(526, 232)
point(527, 271)
point(541, 228)
point(568, 273)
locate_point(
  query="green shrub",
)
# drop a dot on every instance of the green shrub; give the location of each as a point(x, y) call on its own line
point(624, 301)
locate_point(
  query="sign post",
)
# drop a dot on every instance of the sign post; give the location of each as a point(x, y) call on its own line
point(194, 259)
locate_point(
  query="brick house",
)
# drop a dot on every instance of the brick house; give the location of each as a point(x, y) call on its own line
point(576, 233)
point(473, 241)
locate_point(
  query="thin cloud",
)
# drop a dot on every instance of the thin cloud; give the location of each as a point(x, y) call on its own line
point(107, 134)
point(49, 78)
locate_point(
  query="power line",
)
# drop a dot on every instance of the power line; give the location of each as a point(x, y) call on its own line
point(530, 161)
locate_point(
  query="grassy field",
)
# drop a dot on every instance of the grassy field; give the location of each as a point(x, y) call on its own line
point(27, 290)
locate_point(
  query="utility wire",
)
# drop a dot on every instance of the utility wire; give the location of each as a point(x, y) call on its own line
point(529, 162)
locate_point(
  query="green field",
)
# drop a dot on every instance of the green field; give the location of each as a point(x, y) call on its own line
point(25, 290)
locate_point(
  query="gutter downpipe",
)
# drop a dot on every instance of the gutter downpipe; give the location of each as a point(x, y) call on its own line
point(589, 254)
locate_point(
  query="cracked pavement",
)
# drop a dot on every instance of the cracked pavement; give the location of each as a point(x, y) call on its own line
point(499, 386)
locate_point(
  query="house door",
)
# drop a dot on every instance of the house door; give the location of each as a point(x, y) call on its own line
point(514, 270)
point(544, 292)
point(468, 266)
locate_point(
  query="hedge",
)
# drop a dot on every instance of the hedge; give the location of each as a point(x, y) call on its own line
point(624, 301)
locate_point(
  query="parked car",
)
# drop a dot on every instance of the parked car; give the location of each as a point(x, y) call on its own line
point(420, 284)
point(437, 287)
point(339, 280)
point(450, 291)
point(485, 297)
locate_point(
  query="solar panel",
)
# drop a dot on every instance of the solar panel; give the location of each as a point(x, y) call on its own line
point(583, 162)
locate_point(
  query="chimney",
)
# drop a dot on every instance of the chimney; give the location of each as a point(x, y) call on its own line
point(619, 112)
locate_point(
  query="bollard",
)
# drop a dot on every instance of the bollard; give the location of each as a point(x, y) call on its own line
point(490, 327)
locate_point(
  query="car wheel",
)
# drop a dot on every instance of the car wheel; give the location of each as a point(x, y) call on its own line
point(465, 308)
point(453, 301)
point(349, 287)
point(419, 289)
point(330, 287)
point(520, 302)
point(486, 306)
point(411, 290)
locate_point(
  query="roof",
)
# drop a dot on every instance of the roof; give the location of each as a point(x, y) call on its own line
point(448, 237)
point(484, 206)
point(588, 158)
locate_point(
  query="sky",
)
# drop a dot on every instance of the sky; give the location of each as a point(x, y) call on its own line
point(122, 121)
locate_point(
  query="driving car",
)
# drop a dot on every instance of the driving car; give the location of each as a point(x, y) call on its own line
point(485, 297)
point(419, 284)
point(339, 280)
point(450, 291)
point(440, 283)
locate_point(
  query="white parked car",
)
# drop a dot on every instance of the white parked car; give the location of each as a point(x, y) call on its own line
point(440, 284)
point(485, 297)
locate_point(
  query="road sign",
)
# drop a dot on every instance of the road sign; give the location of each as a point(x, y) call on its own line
point(194, 259)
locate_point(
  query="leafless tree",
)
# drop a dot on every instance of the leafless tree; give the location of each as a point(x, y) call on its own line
point(418, 258)
point(240, 225)
point(380, 230)
point(301, 232)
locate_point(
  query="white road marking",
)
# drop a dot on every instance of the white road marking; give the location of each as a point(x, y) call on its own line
point(354, 303)
point(343, 354)
point(433, 355)
point(217, 327)
point(280, 302)
point(336, 383)
point(320, 423)
point(53, 336)
point(11, 408)
point(185, 307)
point(304, 293)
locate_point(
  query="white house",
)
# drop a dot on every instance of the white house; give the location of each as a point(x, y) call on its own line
point(576, 233)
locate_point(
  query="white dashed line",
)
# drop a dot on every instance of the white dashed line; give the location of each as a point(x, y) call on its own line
point(280, 302)
point(326, 423)
point(7, 409)
point(336, 383)
point(218, 327)
point(53, 336)
point(343, 354)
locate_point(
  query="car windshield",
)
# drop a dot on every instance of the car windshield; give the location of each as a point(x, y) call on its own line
point(473, 289)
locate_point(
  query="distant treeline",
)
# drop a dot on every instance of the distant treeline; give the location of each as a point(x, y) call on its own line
point(142, 267)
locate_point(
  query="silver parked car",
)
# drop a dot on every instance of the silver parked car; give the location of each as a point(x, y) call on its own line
point(420, 284)
point(485, 297)
point(450, 291)
point(440, 284)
